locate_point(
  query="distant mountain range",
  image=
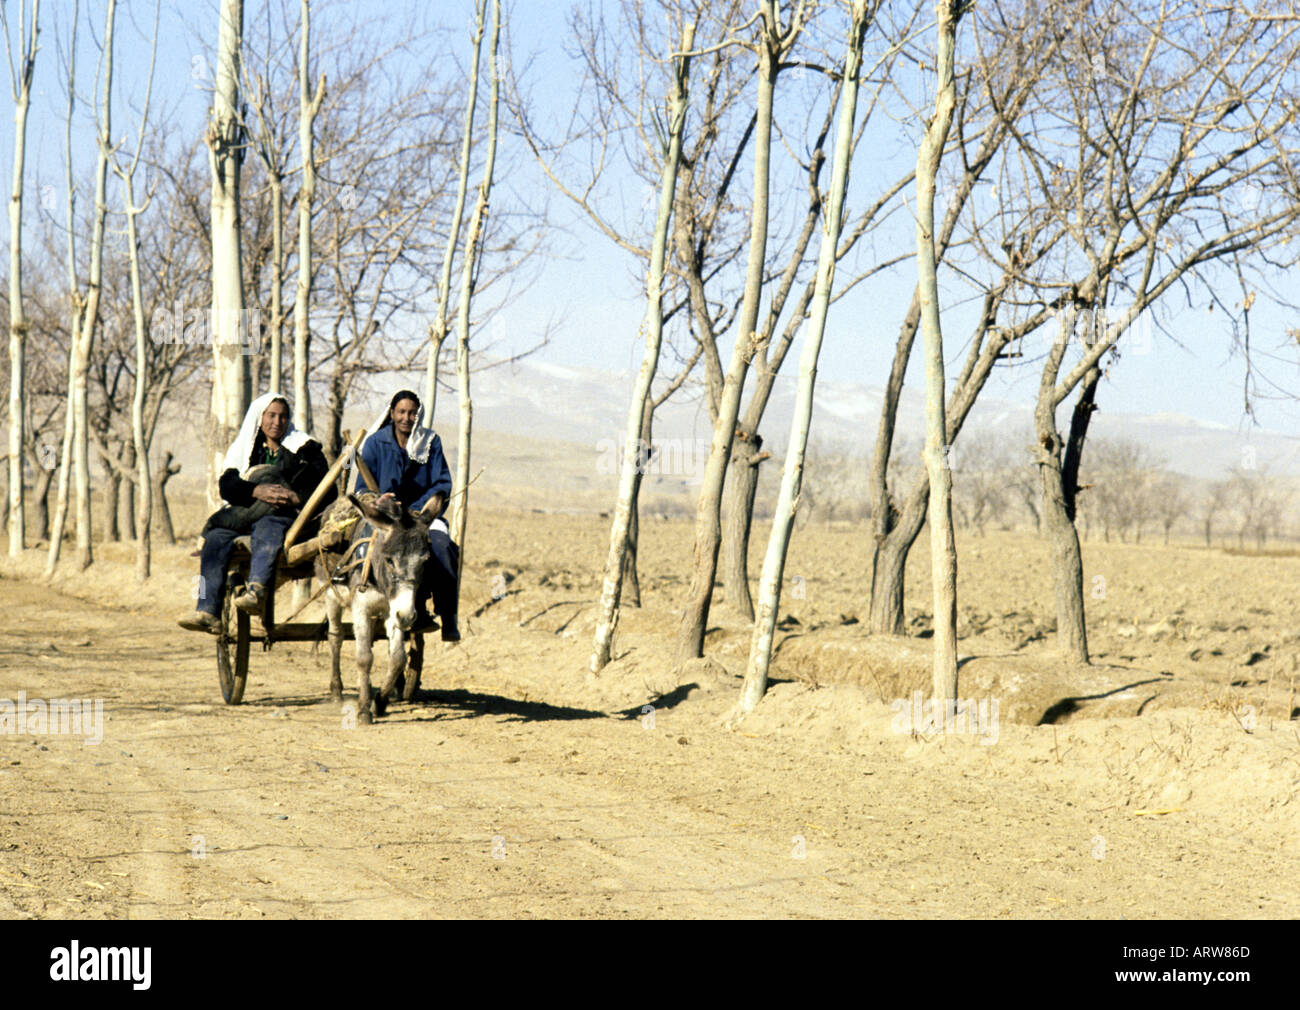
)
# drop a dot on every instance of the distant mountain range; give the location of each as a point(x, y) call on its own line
point(549, 434)
point(589, 406)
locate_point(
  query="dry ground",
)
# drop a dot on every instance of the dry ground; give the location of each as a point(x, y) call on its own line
point(1166, 785)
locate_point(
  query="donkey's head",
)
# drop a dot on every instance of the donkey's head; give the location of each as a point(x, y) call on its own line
point(399, 556)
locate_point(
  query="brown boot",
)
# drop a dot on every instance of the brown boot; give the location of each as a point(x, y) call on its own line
point(251, 599)
point(201, 620)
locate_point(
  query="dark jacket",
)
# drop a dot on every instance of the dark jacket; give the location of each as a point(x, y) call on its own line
point(412, 483)
point(302, 473)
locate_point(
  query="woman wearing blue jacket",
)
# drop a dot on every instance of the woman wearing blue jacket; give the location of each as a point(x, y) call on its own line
point(407, 463)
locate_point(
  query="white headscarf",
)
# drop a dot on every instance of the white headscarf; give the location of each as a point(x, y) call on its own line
point(240, 452)
point(421, 440)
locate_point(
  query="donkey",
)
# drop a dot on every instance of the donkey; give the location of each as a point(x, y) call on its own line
point(392, 587)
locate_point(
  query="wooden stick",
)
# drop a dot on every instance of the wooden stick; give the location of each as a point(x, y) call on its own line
point(321, 488)
point(366, 475)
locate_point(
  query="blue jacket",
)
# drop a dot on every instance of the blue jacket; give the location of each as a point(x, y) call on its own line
point(412, 483)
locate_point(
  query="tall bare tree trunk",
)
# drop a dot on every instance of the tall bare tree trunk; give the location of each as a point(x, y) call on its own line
point(276, 382)
point(143, 489)
point(126, 494)
point(90, 307)
point(22, 94)
point(884, 510)
point(112, 503)
point(230, 375)
point(439, 328)
point(1058, 524)
point(943, 545)
point(469, 272)
point(143, 483)
point(308, 106)
point(40, 499)
point(631, 581)
point(746, 452)
point(769, 595)
point(629, 475)
point(746, 457)
point(708, 517)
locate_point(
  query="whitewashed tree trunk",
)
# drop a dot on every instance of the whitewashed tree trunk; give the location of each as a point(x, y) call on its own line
point(74, 320)
point(308, 106)
point(439, 328)
point(943, 546)
point(143, 482)
point(90, 309)
point(469, 271)
point(630, 475)
point(769, 593)
point(143, 498)
point(772, 44)
point(22, 94)
point(276, 381)
point(230, 374)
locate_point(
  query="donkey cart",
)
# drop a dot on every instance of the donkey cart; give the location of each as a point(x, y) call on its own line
point(296, 561)
point(239, 630)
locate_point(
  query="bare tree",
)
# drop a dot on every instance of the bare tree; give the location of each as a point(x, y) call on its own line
point(440, 326)
point(943, 545)
point(1169, 500)
point(1260, 504)
point(1122, 486)
point(86, 308)
point(760, 651)
point(269, 137)
point(630, 475)
point(20, 88)
point(226, 141)
point(834, 484)
point(309, 108)
point(1011, 49)
point(69, 423)
point(132, 210)
point(469, 272)
point(981, 463)
point(1213, 503)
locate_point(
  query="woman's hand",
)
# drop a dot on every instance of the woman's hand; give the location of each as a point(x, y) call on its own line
point(276, 494)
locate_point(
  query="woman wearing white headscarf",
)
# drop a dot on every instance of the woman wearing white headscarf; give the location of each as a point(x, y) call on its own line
point(270, 470)
point(407, 463)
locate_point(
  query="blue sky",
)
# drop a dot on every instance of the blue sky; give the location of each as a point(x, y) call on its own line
point(593, 286)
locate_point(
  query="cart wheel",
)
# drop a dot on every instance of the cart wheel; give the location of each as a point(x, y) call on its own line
point(232, 649)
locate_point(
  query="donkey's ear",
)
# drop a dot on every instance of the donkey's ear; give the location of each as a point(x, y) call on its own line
point(384, 514)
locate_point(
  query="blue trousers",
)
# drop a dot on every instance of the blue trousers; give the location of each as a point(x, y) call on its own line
point(442, 581)
point(267, 539)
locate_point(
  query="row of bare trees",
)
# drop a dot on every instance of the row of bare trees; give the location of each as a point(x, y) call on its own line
point(1078, 167)
point(1126, 491)
point(185, 272)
